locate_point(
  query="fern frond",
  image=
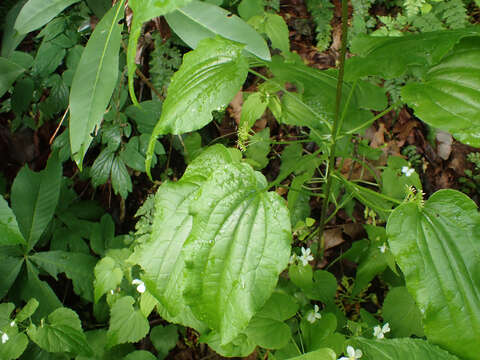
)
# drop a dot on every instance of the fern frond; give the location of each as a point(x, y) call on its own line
point(322, 13)
point(453, 13)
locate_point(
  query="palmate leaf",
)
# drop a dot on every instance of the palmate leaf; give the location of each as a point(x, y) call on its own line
point(400, 349)
point(208, 79)
point(199, 20)
point(10, 266)
point(94, 81)
point(61, 332)
point(36, 13)
point(10, 233)
point(438, 250)
point(144, 10)
point(449, 96)
point(77, 266)
point(35, 197)
point(390, 57)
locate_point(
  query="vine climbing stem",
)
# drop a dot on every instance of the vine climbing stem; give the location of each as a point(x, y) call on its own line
point(336, 121)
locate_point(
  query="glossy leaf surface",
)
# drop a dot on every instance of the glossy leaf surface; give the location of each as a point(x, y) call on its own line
point(390, 57)
point(35, 197)
point(62, 332)
point(94, 82)
point(208, 79)
point(400, 349)
point(438, 250)
point(144, 10)
point(36, 13)
point(199, 20)
point(449, 97)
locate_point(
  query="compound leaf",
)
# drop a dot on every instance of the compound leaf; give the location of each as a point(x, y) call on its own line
point(10, 233)
point(437, 247)
point(62, 332)
point(94, 81)
point(35, 197)
point(208, 79)
point(449, 96)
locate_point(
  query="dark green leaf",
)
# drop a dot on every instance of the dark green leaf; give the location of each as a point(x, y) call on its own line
point(9, 72)
point(10, 233)
point(401, 312)
point(164, 338)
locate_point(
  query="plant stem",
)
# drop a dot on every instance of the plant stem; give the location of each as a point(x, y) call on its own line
point(336, 120)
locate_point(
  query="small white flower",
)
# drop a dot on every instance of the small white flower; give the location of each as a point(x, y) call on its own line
point(293, 259)
point(383, 248)
point(12, 324)
point(141, 286)
point(4, 338)
point(379, 332)
point(314, 315)
point(407, 171)
point(352, 354)
point(306, 256)
point(112, 292)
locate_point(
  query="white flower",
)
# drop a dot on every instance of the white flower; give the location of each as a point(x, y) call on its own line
point(407, 171)
point(112, 292)
point(4, 338)
point(306, 256)
point(352, 354)
point(314, 315)
point(379, 332)
point(141, 286)
point(383, 248)
point(12, 324)
point(293, 259)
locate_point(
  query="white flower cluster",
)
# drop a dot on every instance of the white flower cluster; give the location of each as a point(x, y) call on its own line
point(379, 332)
point(352, 354)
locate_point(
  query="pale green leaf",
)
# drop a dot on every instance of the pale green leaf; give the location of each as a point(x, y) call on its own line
point(10, 233)
point(9, 72)
point(268, 333)
point(320, 354)
point(449, 96)
point(108, 276)
point(400, 349)
point(241, 346)
point(14, 347)
point(277, 30)
point(35, 197)
point(279, 307)
point(144, 10)
point(239, 244)
point(36, 13)
point(401, 312)
point(5, 312)
point(61, 332)
point(208, 79)
point(94, 81)
point(126, 323)
point(390, 57)
point(437, 247)
point(252, 109)
point(199, 20)
point(27, 311)
point(77, 266)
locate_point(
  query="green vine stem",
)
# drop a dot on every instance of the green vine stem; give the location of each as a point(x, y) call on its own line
point(336, 121)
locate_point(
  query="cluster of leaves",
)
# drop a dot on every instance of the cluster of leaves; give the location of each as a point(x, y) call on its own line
point(210, 249)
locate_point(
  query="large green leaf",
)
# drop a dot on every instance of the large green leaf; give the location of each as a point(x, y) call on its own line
point(35, 197)
point(449, 96)
point(62, 332)
point(11, 38)
point(144, 10)
point(400, 349)
point(94, 81)
point(320, 354)
point(77, 266)
point(208, 79)
point(161, 256)
point(36, 13)
point(239, 244)
point(10, 233)
point(199, 20)
point(437, 246)
point(390, 57)
point(126, 323)
point(108, 275)
point(10, 266)
point(9, 72)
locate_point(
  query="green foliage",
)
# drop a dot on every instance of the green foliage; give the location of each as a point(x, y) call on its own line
point(165, 59)
point(322, 14)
